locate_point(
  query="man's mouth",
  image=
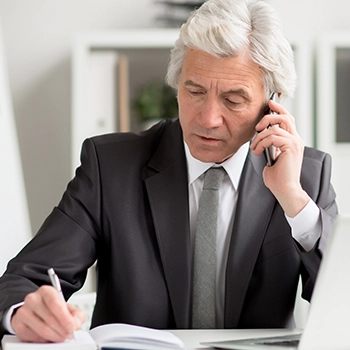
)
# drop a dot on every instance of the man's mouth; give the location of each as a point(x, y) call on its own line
point(208, 139)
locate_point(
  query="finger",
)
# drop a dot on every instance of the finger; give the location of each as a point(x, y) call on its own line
point(48, 306)
point(278, 114)
point(285, 121)
point(44, 308)
point(26, 334)
point(57, 311)
point(262, 146)
point(283, 141)
point(79, 315)
point(276, 107)
point(268, 137)
point(30, 327)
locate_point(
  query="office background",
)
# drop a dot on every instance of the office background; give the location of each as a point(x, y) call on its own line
point(38, 38)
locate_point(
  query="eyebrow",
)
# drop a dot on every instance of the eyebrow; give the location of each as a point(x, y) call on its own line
point(192, 83)
point(239, 91)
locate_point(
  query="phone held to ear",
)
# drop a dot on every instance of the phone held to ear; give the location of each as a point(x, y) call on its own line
point(270, 152)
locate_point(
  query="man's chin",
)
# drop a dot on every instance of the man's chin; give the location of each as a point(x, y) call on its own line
point(209, 157)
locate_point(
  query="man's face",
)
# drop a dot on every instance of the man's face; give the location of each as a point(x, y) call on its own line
point(220, 102)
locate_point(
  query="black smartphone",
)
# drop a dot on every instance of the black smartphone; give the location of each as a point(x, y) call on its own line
point(270, 152)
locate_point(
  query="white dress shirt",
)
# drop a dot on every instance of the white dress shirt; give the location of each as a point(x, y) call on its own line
point(306, 226)
point(6, 321)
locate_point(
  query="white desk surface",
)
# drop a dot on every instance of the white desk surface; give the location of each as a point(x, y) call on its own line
point(193, 338)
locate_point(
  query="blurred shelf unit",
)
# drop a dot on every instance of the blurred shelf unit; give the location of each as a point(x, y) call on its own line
point(333, 109)
point(333, 86)
point(108, 70)
point(176, 12)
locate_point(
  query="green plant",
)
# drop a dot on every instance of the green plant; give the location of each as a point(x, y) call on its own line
point(156, 100)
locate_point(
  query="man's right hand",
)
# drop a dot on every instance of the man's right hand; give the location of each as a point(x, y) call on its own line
point(44, 317)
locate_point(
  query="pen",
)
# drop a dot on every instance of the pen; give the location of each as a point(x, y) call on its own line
point(55, 282)
point(57, 285)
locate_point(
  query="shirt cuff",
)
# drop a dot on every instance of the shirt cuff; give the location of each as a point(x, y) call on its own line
point(6, 320)
point(306, 226)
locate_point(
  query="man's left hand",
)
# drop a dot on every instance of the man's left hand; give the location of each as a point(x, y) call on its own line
point(283, 178)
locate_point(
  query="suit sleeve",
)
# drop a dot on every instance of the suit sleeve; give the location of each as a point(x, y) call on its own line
point(66, 240)
point(319, 187)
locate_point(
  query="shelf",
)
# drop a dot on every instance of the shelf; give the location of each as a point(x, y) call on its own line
point(187, 4)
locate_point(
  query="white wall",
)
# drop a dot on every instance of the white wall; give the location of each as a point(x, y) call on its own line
point(38, 36)
point(312, 17)
point(15, 228)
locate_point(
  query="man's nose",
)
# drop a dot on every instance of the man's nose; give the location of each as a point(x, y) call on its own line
point(211, 114)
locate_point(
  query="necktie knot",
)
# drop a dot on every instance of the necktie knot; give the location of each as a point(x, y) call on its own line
point(213, 178)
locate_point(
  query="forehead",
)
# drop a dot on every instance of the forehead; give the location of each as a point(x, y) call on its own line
point(234, 71)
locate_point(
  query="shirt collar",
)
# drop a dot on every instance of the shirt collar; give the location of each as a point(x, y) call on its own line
point(233, 165)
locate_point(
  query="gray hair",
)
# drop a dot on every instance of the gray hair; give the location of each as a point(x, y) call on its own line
point(229, 27)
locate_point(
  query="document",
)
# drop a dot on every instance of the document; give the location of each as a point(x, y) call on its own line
point(109, 336)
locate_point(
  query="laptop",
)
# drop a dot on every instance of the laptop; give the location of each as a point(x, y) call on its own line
point(328, 323)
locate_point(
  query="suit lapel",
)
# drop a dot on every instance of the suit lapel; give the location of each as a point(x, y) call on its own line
point(254, 208)
point(167, 188)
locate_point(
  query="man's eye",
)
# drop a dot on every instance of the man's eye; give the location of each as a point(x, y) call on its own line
point(233, 102)
point(195, 93)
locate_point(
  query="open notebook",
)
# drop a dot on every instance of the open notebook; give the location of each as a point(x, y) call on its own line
point(110, 336)
point(328, 324)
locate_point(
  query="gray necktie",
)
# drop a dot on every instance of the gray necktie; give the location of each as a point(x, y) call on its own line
point(204, 262)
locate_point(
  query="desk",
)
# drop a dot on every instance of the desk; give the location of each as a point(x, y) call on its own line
point(193, 338)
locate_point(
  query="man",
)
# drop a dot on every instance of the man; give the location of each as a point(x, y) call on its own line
point(133, 203)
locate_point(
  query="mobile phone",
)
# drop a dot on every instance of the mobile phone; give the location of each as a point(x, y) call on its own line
point(270, 152)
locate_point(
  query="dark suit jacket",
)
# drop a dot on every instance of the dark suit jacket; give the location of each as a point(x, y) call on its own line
point(127, 207)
